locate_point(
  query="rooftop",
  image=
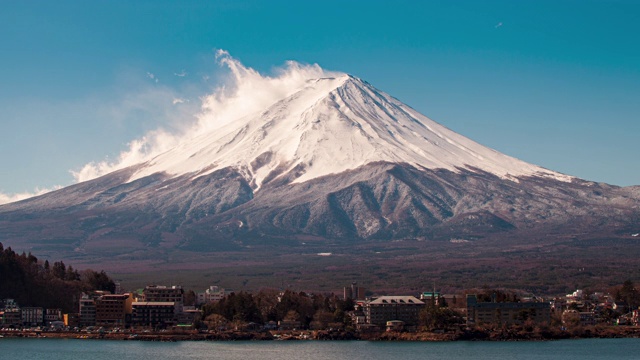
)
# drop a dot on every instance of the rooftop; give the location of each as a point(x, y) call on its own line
point(410, 300)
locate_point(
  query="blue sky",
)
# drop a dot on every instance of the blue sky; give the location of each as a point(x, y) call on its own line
point(555, 83)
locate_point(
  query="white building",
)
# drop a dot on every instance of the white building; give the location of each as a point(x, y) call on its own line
point(32, 316)
point(212, 294)
point(577, 295)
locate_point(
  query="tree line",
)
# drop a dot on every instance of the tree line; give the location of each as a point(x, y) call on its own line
point(309, 310)
point(32, 282)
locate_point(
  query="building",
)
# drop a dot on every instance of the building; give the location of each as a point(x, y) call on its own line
point(354, 292)
point(432, 298)
point(9, 304)
point(32, 316)
point(358, 317)
point(395, 325)
point(87, 311)
point(289, 325)
point(387, 308)
point(118, 288)
point(635, 317)
point(506, 312)
point(574, 317)
point(212, 294)
point(71, 320)
point(52, 315)
point(153, 314)
point(159, 293)
point(189, 316)
point(11, 315)
point(113, 310)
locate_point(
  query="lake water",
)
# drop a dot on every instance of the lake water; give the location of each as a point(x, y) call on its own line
point(53, 349)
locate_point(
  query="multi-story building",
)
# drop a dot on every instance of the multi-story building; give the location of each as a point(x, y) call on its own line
point(354, 292)
point(11, 315)
point(159, 293)
point(387, 308)
point(9, 304)
point(87, 313)
point(154, 314)
point(113, 310)
point(506, 312)
point(32, 316)
point(212, 294)
point(51, 315)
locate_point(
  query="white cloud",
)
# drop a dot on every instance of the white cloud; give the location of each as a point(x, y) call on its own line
point(247, 91)
point(139, 151)
point(498, 25)
point(182, 73)
point(244, 92)
point(9, 198)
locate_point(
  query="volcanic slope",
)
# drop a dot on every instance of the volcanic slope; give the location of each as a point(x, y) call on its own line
point(335, 161)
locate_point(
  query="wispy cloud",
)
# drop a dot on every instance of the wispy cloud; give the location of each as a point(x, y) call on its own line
point(152, 76)
point(245, 91)
point(9, 198)
point(154, 112)
point(151, 113)
point(182, 73)
point(178, 101)
point(498, 25)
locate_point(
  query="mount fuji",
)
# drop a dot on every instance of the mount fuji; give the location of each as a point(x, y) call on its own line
point(330, 162)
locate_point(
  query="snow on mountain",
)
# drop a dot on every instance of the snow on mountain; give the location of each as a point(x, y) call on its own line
point(327, 126)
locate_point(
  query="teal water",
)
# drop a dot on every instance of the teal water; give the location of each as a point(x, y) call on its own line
point(53, 349)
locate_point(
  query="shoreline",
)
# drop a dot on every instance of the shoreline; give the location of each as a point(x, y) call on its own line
point(505, 334)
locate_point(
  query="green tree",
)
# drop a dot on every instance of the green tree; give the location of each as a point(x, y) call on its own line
point(240, 307)
point(216, 322)
point(629, 295)
point(435, 317)
point(59, 270)
point(190, 298)
point(33, 283)
point(98, 281)
point(322, 318)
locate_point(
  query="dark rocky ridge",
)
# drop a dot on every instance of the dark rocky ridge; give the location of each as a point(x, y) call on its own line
point(377, 202)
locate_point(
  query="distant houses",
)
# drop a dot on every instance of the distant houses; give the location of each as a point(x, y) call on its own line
point(163, 307)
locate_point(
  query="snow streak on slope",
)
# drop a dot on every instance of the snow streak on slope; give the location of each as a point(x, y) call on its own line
point(306, 123)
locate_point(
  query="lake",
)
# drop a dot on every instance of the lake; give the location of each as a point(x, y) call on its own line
point(72, 349)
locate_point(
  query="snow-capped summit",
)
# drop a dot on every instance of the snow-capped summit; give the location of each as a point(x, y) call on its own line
point(327, 126)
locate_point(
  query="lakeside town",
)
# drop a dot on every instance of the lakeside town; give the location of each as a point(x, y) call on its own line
point(171, 313)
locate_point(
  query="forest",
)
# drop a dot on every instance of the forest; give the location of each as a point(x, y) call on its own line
point(31, 282)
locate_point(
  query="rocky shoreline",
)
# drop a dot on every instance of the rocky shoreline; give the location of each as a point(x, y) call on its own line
point(503, 334)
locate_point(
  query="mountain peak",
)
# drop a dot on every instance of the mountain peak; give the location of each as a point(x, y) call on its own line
point(330, 125)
